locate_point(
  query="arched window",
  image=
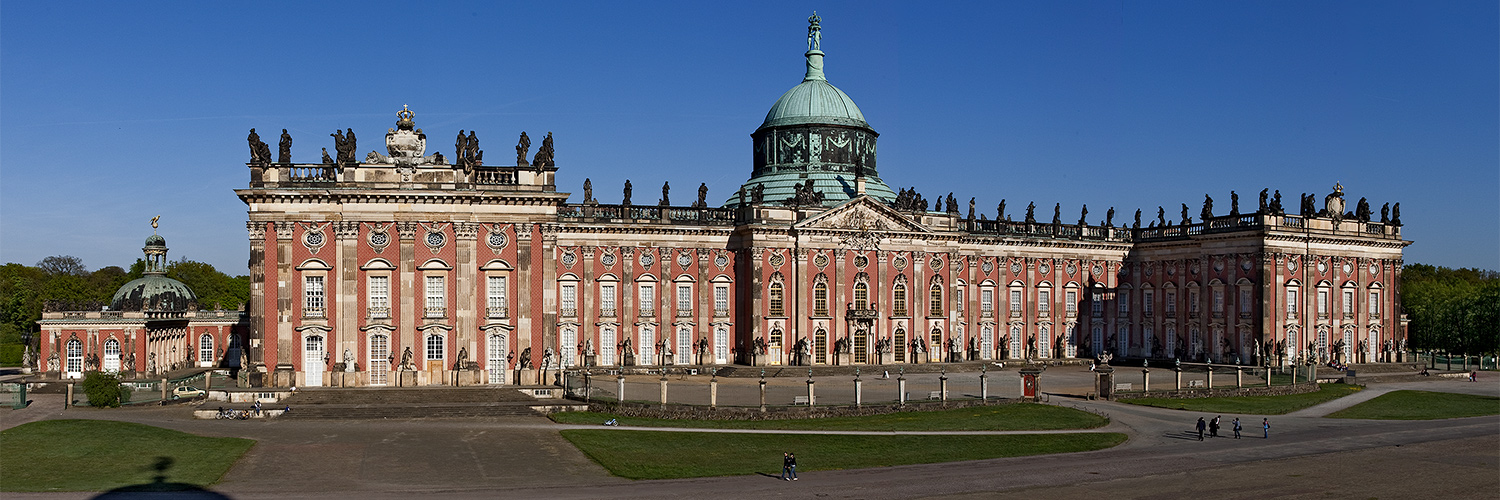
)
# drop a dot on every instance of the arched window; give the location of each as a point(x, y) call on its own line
point(820, 299)
point(206, 349)
point(75, 356)
point(898, 300)
point(936, 340)
point(899, 345)
point(778, 303)
point(861, 296)
point(111, 355)
point(434, 348)
point(935, 300)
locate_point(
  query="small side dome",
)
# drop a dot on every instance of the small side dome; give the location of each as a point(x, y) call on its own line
point(154, 292)
point(156, 241)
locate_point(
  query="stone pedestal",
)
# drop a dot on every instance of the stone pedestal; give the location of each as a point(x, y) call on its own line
point(1104, 376)
point(901, 390)
point(811, 393)
point(713, 392)
point(1031, 389)
point(859, 393)
point(842, 358)
point(1145, 380)
point(283, 376)
point(620, 387)
point(406, 378)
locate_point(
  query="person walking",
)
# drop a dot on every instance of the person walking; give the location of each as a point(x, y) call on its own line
point(1213, 427)
point(786, 466)
point(791, 465)
point(1265, 424)
point(1201, 426)
point(1237, 427)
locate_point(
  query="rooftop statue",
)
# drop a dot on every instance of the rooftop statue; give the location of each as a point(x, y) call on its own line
point(1083, 217)
point(971, 208)
point(259, 151)
point(702, 196)
point(1263, 196)
point(1109, 217)
point(1334, 202)
point(1001, 214)
point(626, 200)
point(1276, 203)
point(544, 154)
point(327, 160)
point(1185, 219)
point(1385, 213)
point(284, 153)
point(1396, 215)
point(1161, 216)
point(1057, 215)
point(1137, 224)
point(1208, 208)
point(588, 190)
point(1234, 204)
point(522, 147)
point(1031, 213)
point(666, 200)
point(758, 194)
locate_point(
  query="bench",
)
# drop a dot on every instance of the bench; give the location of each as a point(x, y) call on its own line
point(1195, 383)
point(799, 400)
point(935, 395)
point(1123, 387)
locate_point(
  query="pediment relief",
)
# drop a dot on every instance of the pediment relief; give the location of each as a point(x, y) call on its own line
point(863, 214)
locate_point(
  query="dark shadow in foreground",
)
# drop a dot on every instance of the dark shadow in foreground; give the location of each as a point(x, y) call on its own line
point(160, 488)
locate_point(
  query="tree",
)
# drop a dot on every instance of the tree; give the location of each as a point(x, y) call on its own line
point(104, 390)
point(59, 265)
point(1452, 310)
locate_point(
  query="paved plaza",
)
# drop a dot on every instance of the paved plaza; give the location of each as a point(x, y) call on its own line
point(1306, 456)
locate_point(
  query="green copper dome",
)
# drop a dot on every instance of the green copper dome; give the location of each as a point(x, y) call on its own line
point(815, 101)
point(156, 241)
point(154, 292)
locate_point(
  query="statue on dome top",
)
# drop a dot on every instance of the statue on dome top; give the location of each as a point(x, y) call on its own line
point(814, 32)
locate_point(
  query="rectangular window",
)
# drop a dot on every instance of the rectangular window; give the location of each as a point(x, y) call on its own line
point(313, 290)
point(1070, 299)
point(684, 299)
point(1148, 302)
point(1322, 302)
point(1218, 301)
point(569, 299)
point(778, 302)
point(1097, 304)
point(958, 300)
point(820, 300)
point(647, 300)
point(861, 297)
point(1374, 304)
point(436, 297)
point(1193, 302)
point(1044, 301)
point(987, 301)
point(379, 297)
point(721, 300)
point(1291, 302)
point(1171, 303)
point(607, 299)
point(1348, 303)
point(1015, 301)
point(935, 301)
point(898, 301)
point(494, 292)
point(1244, 305)
point(1122, 300)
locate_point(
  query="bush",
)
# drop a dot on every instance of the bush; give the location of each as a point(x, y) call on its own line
point(104, 390)
point(10, 354)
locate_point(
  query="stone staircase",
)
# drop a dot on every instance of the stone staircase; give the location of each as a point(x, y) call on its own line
point(407, 403)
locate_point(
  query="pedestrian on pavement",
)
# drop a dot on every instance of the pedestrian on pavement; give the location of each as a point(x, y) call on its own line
point(786, 466)
point(1265, 424)
point(1213, 427)
point(791, 461)
point(1237, 427)
point(1201, 426)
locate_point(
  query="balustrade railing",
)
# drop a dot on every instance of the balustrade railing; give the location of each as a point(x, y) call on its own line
point(648, 214)
point(312, 173)
point(493, 176)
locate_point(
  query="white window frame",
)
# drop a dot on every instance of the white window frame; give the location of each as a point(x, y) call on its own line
point(646, 297)
point(314, 296)
point(206, 353)
point(567, 299)
point(435, 293)
point(684, 299)
point(721, 300)
point(608, 294)
point(495, 293)
point(379, 358)
point(378, 296)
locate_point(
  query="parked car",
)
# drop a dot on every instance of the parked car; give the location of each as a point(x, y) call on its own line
point(187, 391)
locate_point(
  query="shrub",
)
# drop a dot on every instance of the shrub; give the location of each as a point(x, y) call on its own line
point(10, 354)
point(104, 390)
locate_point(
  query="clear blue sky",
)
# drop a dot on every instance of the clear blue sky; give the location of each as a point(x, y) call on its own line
point(111, 113)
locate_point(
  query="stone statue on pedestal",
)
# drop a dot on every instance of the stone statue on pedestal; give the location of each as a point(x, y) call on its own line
point(588, 191)
point(284, 153)
point(522, 147)
point(666, 199)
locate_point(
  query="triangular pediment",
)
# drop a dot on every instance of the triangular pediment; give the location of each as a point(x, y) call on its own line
point(863, 214)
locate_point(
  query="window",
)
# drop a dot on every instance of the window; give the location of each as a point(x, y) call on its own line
point(721, 300)
point(898, 342)
point(494, 291)
point(861, 296)
point(380, 352)
point(434, 347)
point(987, 301)
point(607, 346)
point(75, 356)
point(568, 347)
point(569, 302)
point(820, 299)
point(607, 299)
point(312, 290)
point(647, 345)
point(775, 340)
point(898, 300)
point(1148, 302)
point(986, 342)
point(721, 345)
point(684, 299)
point(436, 297)
point(1218, 301)
point(1044, 301)
point(958, 299)
point(1096, 303)
point(1291, 302)
point(684, 345)
point(1244, 305)
point(111, 355)
point(1071, 302)
point(1322, 302)
point(495, 366)
point(935, 300)
point(206, 348)
point(1122, 301)
point(379, 297)
point(1171, 303)
point(1193, 302)
point(1044, 342)
point(1015, 302)
point(1016, 342)
point(647, 299)
point(1348, 303)
point(777, 301)
point(1374, 303)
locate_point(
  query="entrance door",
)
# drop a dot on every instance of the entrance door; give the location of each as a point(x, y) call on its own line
point(721, 345)
point(861, 346)
point(111, 355)
point(434, 352)
point(820, 347)
point(495, 363)
point(312, 361)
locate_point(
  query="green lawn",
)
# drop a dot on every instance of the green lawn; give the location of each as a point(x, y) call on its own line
point(97, 455)
point(667, 455)
point(1421, 405)
point(1010, 417)
point(1252, 405)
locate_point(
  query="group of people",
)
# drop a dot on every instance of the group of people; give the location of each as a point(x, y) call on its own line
point(1213, 427)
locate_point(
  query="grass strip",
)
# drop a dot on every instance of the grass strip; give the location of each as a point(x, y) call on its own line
point(1421, 405)
point(97, 455)
point(670, 455)
point(1252, 405)
point(1010, 417)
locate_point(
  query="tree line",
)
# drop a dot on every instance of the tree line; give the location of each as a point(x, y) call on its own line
point(1451, 310)
point(63, 283)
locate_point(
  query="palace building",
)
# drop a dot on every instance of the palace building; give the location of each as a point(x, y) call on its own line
point(411, 268)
